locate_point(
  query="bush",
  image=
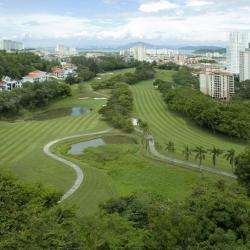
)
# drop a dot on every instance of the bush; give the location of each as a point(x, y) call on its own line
point(119, 108)
point(30, 96)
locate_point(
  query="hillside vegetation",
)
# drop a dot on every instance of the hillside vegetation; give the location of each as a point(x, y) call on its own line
point(17, 65)
point(30, 218)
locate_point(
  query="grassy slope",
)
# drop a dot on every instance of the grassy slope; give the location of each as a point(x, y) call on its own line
point(22, 143)
point(131, 172)
point(166, 125)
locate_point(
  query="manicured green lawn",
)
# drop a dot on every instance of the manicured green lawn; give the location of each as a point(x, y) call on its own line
point(21, 142)
point(120, 170)
point(21, 150)
point(167, 126)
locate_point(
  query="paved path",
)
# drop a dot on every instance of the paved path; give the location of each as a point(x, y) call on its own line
point(186, 164)
point(182, 163)
point(77, 169)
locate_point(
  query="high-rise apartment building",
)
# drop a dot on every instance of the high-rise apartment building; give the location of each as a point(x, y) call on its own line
point(10, 45)
point(238, 41)
point(245, 65)
point(62, 50)
point(139, 53)
point(217, 84)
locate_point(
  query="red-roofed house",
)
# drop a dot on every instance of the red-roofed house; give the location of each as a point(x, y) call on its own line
point(36, 76)
point(63, 72)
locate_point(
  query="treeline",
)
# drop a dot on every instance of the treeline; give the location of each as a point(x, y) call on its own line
point(184, 75)
point(31, 95)
point(143, 71)
point(232, 119)
point(90, 67)
point(17, 65)
point(169, 66)
point(119, 107)
point(242, 91)
point(211, 218)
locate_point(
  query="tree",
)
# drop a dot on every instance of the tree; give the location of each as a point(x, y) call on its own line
point(215, 152)
point(230, 156)
point(70, 79)
point(143, 126)
point(187, 152)
point(200, 154)
point(170, 147)
point(242, 169)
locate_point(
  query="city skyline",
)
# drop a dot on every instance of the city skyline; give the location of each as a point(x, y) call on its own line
point(115, 22)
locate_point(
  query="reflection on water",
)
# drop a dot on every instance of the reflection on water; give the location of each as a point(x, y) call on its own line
point(77, 111)
point(78, 148)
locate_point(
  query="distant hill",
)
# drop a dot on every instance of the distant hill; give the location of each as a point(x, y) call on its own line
point(204, 49)
point(201, 48)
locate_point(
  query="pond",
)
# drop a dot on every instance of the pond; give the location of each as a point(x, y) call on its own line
point(77, 111)
point(79, 148)
point(60, 112)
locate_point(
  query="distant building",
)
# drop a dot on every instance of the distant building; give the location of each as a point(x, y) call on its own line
point(63, 51)
point(72, 52)
point(239, 41)
point(94, 54)
point(217, 84)
point(245, 65)
point(10, 45)
point(8, 84)
point(36, 76)
point(62, 72)
point(139, 53)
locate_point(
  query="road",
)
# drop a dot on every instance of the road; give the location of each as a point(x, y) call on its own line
point(152, 149)
point(79, 172)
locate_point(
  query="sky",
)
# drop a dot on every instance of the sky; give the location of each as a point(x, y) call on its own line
point(107, 23)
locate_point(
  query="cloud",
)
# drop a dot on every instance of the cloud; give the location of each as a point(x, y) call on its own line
point(154, 7)
point(182, 24)
point(44, 26)
point(198, 3)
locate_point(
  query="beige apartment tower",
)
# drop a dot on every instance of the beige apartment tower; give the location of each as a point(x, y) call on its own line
point(217, 84)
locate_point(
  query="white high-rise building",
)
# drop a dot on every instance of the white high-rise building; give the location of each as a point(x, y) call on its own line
point(245, 65)
point(60, 50)
point(139, 53)
point(238, 41)
point(72, 52)
point(10, 45)
point(217, 84)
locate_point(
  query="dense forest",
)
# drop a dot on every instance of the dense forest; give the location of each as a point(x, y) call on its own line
point(30, 96)
point(214, 218)
point(231, 119)
point(89, 67)
point(119, 107)
point(143, 71)
point(182, 96)
point(17, 65)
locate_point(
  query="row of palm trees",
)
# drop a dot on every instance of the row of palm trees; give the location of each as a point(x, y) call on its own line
point(200, 153)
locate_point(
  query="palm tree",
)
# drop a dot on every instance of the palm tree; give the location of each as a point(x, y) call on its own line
point(187, 152)
point(170, 147)
point(200, 154)
point(230, 156)
point(215, 152)
point(158, 145)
